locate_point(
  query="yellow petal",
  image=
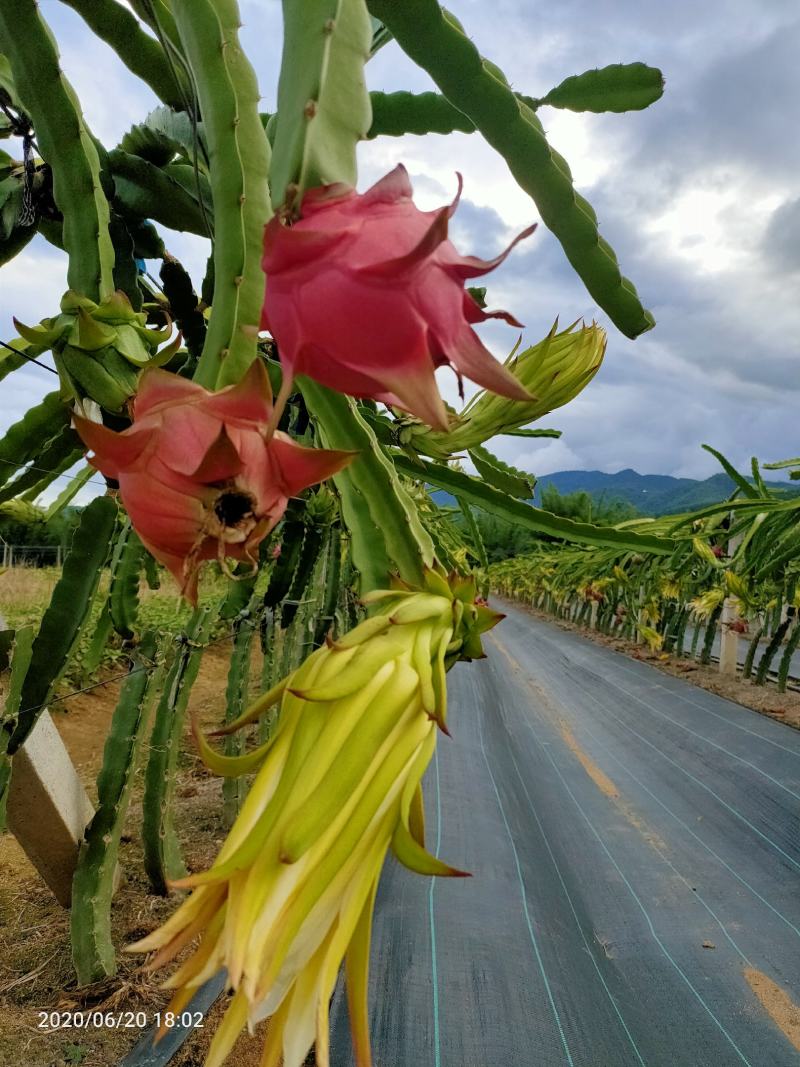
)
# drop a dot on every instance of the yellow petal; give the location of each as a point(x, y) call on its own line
point(232, 1024)
point(357, 982)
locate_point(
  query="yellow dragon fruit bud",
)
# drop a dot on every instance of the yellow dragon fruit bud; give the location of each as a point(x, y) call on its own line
point(553, 371)
point(291, 892)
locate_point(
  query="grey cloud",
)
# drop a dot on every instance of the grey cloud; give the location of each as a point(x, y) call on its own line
point(782, 237)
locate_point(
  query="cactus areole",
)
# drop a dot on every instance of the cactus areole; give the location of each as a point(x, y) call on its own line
point(365, 294)
point(196, 472)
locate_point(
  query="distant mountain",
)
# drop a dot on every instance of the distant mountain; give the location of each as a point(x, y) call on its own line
point(651, 494)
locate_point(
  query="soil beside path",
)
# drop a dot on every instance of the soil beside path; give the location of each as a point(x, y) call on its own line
point(36, 972)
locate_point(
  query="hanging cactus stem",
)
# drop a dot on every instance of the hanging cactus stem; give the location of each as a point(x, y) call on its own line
point(66, 144)
point(240, 159)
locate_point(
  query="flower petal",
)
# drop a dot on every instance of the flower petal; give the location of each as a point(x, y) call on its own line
point(472, 359)
point(301, 467)
point(113, 452)
point(157, 387)
point(391, 188)
point(220, 462)
point(398, 268)
point(250, 400)
point(472, 267)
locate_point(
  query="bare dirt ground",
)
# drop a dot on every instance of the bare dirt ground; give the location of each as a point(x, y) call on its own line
point(762, 698)
point(35, 967)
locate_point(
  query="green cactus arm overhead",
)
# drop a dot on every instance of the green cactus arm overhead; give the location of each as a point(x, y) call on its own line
point(65, 143)
point(323, 104)
point(618, 87)
point(157, 15)
point(435, 41)
point(474, 491)
point(143, 56)
point(239, 157)
point(395, 114)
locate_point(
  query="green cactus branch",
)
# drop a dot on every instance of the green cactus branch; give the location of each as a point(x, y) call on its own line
point(395, 114)
point(162, 851)
point(24, 440)
point(93, 885)
point(239, 164)
point(323, 104)
point(145, 190)
point(435, 41)
point(57, 454)
point(143, 56)
point(478, 493)
point(618, 87)
point(66, 615)
point(157, 15)
point(234, 789)
point(65, 143)
point(385, 530)
point(123, 591)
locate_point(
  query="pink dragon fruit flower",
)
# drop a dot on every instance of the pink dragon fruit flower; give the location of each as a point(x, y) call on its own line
point(196, 474)
point(365, 294)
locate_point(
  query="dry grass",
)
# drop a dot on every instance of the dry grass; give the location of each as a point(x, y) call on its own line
point(25, 593)
point(36, 973)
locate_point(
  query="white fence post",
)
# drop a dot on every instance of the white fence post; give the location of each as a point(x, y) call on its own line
point(728, 638)
point(48, 809)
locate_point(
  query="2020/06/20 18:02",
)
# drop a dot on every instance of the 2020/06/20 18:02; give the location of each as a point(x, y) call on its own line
point(117, 1020)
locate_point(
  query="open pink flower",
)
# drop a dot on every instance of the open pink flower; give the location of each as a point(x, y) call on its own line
point(196, 474)
point(365, 294)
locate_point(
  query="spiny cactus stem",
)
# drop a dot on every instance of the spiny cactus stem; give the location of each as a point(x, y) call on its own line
point(239, 156)
point(143, 56)
point(65, 143)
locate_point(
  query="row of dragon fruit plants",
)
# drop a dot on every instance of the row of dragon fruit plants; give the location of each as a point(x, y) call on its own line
point(741, 553)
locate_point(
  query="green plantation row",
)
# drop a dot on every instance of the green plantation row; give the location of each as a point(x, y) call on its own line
point(741, 554)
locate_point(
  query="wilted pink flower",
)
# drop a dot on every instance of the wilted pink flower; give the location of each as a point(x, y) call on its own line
point(365, 294)
point(196, 475)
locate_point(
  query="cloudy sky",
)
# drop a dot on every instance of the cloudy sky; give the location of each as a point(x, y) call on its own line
point(699, 195)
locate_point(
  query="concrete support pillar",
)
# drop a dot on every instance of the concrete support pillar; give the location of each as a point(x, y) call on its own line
point(729, 639)
point(48, 809)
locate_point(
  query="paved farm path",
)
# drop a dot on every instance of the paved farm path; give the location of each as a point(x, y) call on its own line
point(635, 847)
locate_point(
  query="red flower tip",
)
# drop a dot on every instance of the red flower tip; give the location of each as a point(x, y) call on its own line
point(352, 318)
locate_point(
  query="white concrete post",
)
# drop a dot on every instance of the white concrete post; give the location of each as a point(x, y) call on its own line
point(638, 639)
point(728, 639)
point(48, 809)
